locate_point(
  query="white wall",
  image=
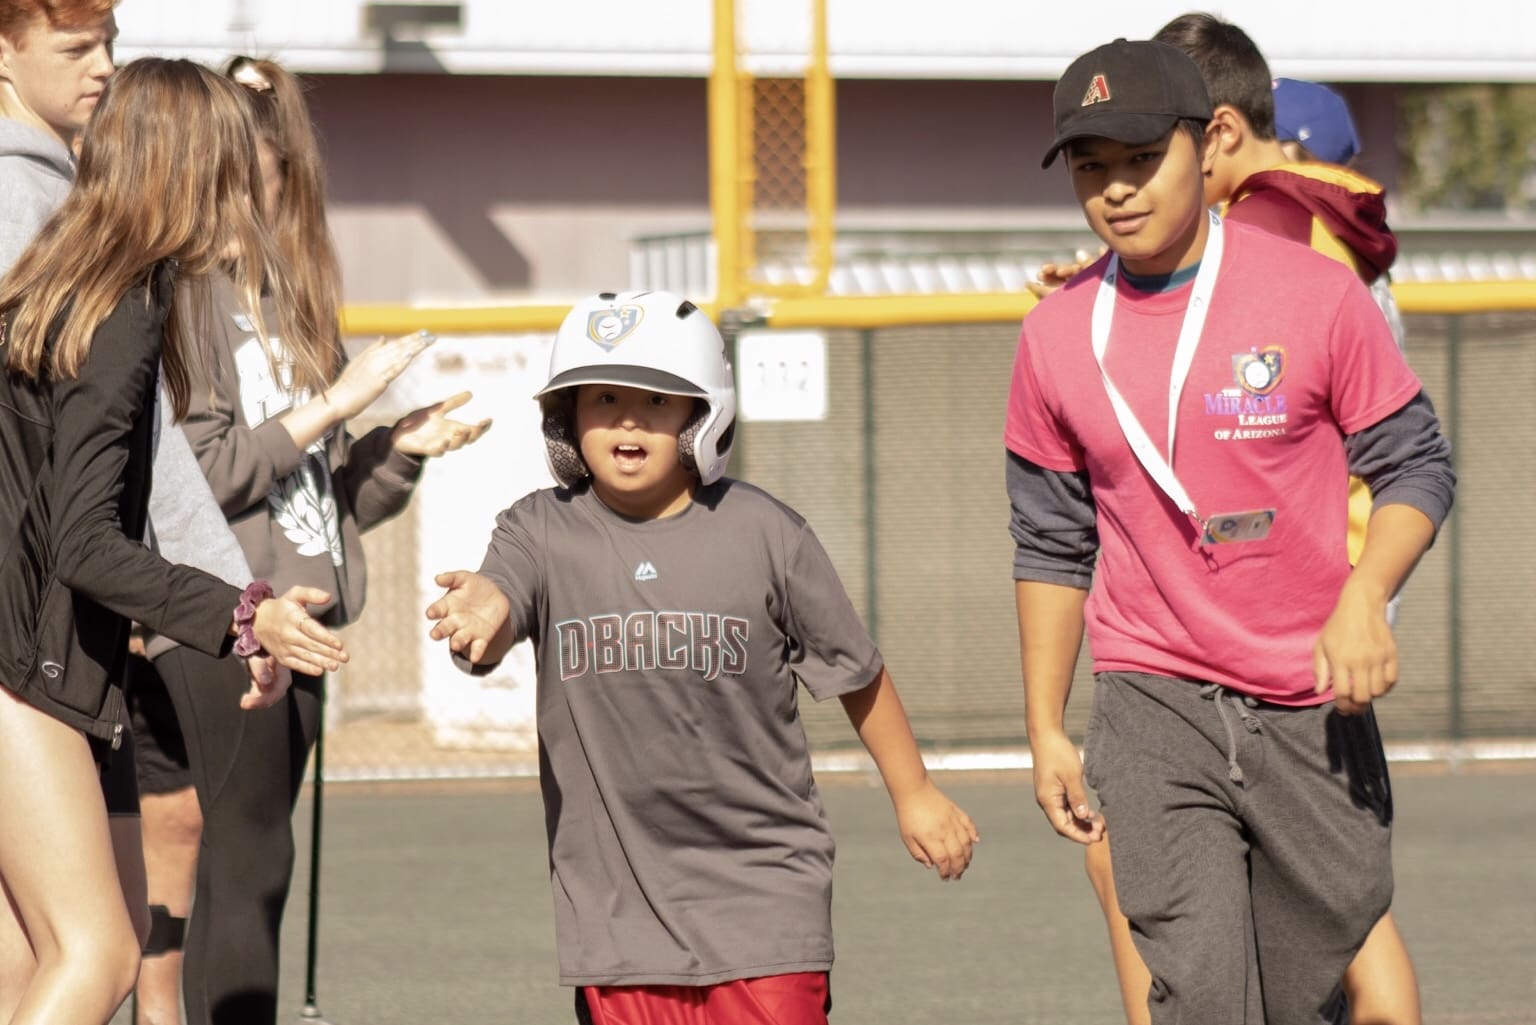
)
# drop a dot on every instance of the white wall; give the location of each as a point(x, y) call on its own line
point(456, 504)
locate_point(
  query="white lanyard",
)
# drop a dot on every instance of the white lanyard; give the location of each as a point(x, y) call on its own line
point(1159, 468)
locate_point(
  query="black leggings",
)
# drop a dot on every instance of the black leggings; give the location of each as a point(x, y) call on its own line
point(247, 768)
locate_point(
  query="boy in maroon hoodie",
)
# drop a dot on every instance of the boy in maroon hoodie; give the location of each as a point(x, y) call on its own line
point(1337, 211)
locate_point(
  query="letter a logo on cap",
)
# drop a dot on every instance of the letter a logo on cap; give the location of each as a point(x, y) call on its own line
point(1098, 91)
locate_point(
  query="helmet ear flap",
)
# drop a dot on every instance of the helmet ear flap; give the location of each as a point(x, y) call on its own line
point(688, 438)
point(560, 448)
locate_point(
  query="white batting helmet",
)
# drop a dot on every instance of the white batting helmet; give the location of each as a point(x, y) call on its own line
point(653, 340)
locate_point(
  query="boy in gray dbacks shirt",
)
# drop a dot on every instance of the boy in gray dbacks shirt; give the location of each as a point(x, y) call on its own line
point(673, 611)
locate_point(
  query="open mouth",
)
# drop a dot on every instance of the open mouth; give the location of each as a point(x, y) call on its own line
point(628, 457)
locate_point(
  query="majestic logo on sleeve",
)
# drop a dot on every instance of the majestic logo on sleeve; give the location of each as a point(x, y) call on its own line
point(1098, 91)
point(705, 643)
point(610, 327)
point(1256, 405)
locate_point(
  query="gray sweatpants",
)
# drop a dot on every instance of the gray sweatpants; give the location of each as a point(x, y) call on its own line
point(1252, 845)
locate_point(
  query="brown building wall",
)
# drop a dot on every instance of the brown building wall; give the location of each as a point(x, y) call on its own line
point(463, 189)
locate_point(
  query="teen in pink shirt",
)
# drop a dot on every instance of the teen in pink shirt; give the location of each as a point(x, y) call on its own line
point(1232, 740)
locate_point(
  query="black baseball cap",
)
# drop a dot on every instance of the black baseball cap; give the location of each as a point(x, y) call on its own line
point(1129, 91)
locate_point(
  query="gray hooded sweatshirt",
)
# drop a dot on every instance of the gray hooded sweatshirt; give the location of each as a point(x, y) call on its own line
point(36, 171)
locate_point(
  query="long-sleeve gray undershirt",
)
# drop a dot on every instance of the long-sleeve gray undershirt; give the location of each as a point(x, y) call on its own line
point(1404, 460)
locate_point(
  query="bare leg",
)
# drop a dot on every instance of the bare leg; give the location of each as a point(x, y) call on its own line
point(1380, 982)
point(173, 828)
point(1135, 980)
point(17, 965)
point(56, 860)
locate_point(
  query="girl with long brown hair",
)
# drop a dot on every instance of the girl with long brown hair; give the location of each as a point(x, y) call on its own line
point(268, 423)
point(88, 318)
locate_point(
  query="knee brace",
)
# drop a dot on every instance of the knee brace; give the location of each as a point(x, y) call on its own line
point(166, 931)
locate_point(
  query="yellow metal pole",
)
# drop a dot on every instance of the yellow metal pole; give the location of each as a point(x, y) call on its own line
point(724, 136)
point(820, 152)
point(746, 178)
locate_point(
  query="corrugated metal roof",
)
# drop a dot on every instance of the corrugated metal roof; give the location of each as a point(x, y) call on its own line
point(889, 263)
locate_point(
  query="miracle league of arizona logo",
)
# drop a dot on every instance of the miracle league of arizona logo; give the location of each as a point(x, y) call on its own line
point(1257, 408)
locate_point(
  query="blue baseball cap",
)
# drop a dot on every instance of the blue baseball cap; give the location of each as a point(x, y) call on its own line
point(1316, 117)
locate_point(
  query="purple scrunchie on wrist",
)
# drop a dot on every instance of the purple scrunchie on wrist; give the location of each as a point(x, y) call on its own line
point(246, 644)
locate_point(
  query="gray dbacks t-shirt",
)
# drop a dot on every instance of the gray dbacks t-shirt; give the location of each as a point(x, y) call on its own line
point(688, 845)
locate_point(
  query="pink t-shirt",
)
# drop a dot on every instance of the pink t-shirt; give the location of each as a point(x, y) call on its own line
point(1243, 615)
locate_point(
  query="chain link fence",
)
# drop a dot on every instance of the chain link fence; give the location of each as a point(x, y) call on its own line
point(902, 481)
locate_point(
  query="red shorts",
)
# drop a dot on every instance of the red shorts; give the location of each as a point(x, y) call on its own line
point(798, 999)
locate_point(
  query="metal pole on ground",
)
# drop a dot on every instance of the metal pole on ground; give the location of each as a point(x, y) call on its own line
point(1455, 714)
point(311, 1011)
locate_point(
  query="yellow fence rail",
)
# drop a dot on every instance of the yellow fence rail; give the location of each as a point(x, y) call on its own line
point(869, 312)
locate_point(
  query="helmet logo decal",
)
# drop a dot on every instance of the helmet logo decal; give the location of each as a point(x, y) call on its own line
point(610, 327)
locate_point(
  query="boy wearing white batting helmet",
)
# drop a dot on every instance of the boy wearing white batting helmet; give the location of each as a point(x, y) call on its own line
point(674, 611)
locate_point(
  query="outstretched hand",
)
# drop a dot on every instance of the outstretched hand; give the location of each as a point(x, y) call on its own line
point(429, 432)
point(269, 682)
point(472, 616)
point(295, 638)
point(366, 375)
point(937, 832)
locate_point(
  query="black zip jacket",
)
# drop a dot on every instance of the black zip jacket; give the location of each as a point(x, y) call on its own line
point(75, 459)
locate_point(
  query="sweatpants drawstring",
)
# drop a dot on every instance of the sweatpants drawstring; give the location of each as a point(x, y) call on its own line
point(1251, 722)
